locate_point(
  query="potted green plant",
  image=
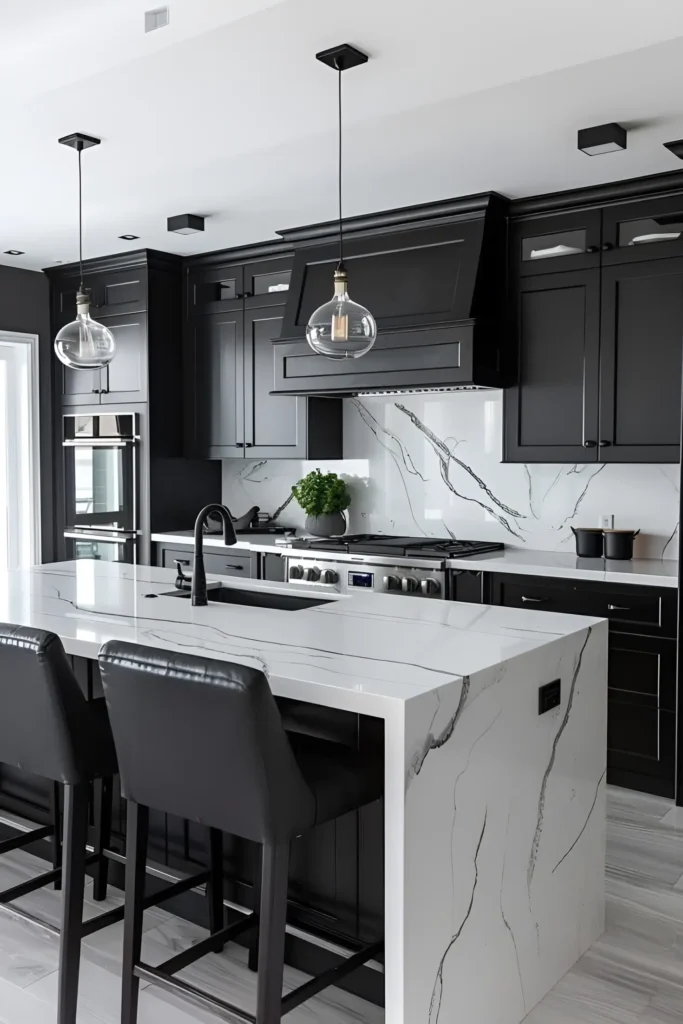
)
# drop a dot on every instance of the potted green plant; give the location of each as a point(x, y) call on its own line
point(324, 498)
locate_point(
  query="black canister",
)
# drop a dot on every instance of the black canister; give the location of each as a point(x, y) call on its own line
point(588, 542)
point(619, 543)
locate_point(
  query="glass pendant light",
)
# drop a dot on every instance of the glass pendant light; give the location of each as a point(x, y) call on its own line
point(341, 328)
point(83, 344)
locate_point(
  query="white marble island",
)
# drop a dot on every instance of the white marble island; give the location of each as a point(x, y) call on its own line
point(494, 816)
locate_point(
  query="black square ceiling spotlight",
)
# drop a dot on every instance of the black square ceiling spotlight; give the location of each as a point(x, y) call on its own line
point(675, 147)
point(603, 138)
point(185, 224)
point(14, 252)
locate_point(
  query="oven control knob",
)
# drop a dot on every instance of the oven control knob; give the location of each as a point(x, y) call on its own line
point(329, 576)
point(430, 586)
point(296, 572)
point(312, 573)
point(409, 584)
point(392, 583)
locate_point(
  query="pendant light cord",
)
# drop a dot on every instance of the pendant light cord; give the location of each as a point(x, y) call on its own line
point(341, 224)
point(80, 218)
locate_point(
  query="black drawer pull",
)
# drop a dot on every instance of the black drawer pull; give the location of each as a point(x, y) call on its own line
point(589, 444)
point(534, 600)
point(607, 246)
point(617, 608)
point(592, 248)
point(239, 444)
point(230, 565)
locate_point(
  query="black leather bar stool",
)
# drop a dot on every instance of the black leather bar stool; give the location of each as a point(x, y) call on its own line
point(203, 740)
point(48, 728)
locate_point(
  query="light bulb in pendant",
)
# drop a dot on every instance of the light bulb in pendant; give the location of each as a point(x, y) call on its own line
point(341, 328)
point(84, 344)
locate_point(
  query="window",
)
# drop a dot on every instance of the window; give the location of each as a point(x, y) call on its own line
point(19, 481)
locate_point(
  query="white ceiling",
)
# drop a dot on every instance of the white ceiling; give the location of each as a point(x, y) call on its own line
point(226, 113)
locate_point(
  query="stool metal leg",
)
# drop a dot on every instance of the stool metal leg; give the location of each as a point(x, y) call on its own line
point(73, 880)
point(137, 824)
point(273, 919)
point(214, 889)
point(103, 803)
point(56, 815)
point(256, 907)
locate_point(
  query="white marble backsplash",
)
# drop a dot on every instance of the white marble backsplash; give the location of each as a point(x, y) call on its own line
point(431, 465)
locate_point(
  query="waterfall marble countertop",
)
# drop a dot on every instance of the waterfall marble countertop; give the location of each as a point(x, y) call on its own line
point(354, 651)
point(494, 819)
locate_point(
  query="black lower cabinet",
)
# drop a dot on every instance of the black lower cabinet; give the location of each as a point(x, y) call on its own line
point(641, 712)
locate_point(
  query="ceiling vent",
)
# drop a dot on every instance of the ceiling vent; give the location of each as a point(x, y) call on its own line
point(158, 18)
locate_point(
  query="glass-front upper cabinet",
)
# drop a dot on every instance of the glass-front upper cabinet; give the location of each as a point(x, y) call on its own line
point(648, 229)
point(568, 241)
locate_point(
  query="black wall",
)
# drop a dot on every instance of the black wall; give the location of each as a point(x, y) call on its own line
point(25, 307)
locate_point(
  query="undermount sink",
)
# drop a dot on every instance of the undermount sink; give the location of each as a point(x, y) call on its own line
point(254, 598)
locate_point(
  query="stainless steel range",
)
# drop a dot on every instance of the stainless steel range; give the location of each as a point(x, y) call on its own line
point(377, 562)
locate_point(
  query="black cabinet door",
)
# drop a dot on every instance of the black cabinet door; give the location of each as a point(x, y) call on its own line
point(215, 289)
point(557, 244)
point(641, 734)
point(275, 425)
point(266, 283)
point(118, 292)
point(217, 352)
point(551, 414)
point(640, 361)
point(125, 378)
point(650, 229)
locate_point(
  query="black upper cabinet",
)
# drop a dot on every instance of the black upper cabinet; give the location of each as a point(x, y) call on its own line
point(215, 289)
point(267, 282)
point(231, 412)
point(650, 229)
point(551, 415)
point(640, 361)
point(217, 399)
point(556, 244)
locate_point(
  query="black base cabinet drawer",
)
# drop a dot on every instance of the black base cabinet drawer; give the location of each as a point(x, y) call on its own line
point(641, 747)
point(232, 563)
point(649, 611)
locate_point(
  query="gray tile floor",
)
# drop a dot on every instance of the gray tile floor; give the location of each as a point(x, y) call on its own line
point(632, 975)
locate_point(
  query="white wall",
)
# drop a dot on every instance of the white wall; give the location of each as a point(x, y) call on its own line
point(430, 464)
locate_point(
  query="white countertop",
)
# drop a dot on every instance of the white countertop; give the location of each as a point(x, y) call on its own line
point(248, 542)
point(644, 571)
point(359, 652)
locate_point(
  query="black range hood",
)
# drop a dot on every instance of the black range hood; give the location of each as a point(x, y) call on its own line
point(433, 276)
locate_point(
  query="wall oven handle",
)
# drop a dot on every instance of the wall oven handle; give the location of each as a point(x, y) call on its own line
point(119, 538)
point(98, 442)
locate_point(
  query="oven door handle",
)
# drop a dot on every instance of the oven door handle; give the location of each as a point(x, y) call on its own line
point(98, 442)
point(119, 538)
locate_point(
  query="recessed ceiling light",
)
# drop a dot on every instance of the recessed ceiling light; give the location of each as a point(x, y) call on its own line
point(603, 138)
point(14, 252)
point(128, 238)
point(185, 224)
point(675, 147)
point(157, 18)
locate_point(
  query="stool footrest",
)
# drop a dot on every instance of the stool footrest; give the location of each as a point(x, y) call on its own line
point(117, 914)
point(195, 995)
point(330, 977)
point(208, 945)
point(18, 842)
point(31, 884)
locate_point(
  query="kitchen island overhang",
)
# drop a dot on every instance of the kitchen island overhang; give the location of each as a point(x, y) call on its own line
point(494, 813)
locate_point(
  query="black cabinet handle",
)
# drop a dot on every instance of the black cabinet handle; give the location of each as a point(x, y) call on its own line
point(617, 608)
point(239, 444)
point(604, 444)
point(606, 246)
point(97, 391)
point(592, 248)
point(245, 295)
point(239, 568)
point(589, 444)
point(533, 600)
point(249, 444)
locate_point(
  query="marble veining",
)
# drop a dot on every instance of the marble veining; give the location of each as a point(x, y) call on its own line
point(432, 465)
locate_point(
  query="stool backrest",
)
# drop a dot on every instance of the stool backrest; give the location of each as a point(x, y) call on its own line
point(42, 707)
point(203, 739)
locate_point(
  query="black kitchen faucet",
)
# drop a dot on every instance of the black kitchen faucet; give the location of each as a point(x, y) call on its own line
point(199, 596)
